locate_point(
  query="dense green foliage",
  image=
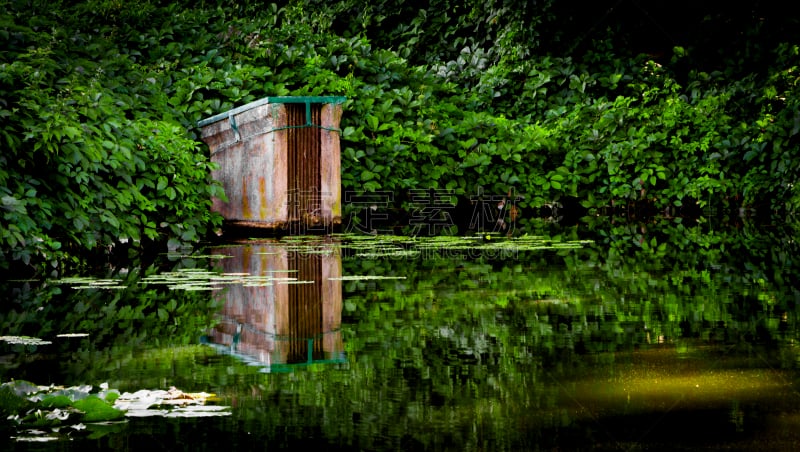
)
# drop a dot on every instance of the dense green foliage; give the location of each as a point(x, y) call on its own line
point(665, 105)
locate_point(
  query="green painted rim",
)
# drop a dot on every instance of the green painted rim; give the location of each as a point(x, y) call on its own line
point(273, 100)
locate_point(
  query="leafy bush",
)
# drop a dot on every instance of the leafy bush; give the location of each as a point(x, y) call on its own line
point(464, 96)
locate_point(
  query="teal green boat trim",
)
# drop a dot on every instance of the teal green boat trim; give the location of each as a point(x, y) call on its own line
point(308, 100)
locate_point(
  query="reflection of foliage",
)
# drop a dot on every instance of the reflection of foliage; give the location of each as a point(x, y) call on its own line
point(117, 321)
point(458, 339)
point(637, 285)
point(473, 343)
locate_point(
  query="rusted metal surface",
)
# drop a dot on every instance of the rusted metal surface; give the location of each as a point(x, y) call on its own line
point(285, 322)
point(279, 163)
point(303, 175)
point(305, 310)
point(330, 164)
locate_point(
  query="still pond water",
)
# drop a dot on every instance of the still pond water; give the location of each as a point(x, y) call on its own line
point(594, 337)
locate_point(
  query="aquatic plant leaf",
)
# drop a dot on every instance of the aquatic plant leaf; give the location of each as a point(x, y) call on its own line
point(72, 393)
point(24, 340)
point(96, 409)
point(171, 403)
point(56, 401)
point(43, 437)
point(199, 411)
point(86, 282)
point(145, 412)
point(97, 286)
point(12, 402)
point(55, 404)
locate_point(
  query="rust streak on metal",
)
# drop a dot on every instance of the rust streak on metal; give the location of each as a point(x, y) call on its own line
point(246, 214)
point(262, 197)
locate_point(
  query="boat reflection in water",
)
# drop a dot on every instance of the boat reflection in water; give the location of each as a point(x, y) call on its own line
point(289, 317)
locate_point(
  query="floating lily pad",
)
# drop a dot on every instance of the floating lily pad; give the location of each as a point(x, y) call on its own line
point(41, 413)
point(24, 340)
point(97, 410)
point(73, 335)
point(36, 436)
point(98, 287)
point(56, 401)
point(399, 246)
point(171, 403)
point(189, 287)
point(85, 282)
point(199, 411)
point(198, 279)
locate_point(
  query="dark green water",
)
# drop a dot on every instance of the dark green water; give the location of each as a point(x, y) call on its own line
point(609, 337)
